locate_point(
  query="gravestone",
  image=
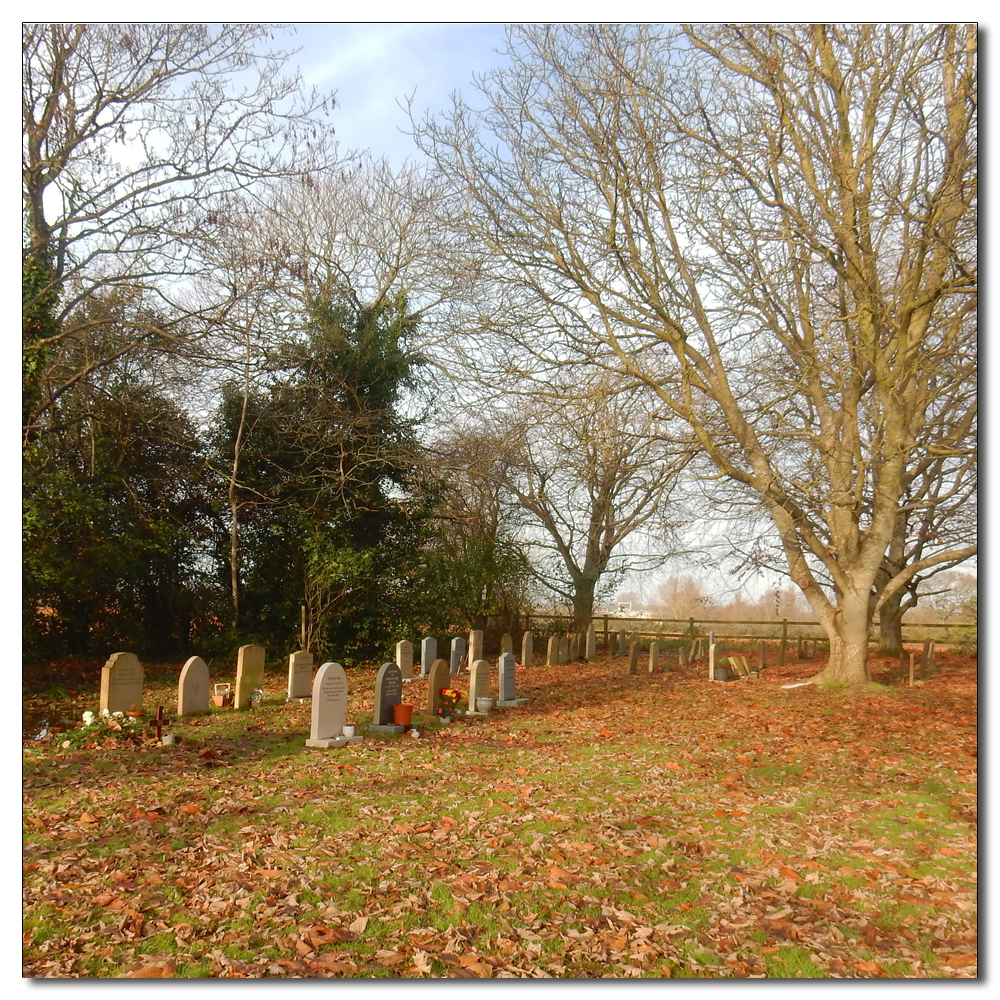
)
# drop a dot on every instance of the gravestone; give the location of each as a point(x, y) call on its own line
point(621, 642)
point(507, 669)
point(711, 662)
point(552, 653)
point(479, 685)
point(927, 655)
point(574, 648)
point(388, 692)
point(193, 688)
point(761, 649)
point(564, 649)
point(590, 649)
point(633, 657)
point(457, 654)
point(711, 637)
point(506, 643)
point(682, 657)
point(249, 673)
point(437, 678)
point(475, 646)
point(121, 684)
point(654, 656)
point(329, 708)
point(428, 654)
point(527, 649)
point(404, 659)
point(300, 675)
point(801, 651)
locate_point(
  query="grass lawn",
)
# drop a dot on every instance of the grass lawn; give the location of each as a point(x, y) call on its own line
point(616, 826)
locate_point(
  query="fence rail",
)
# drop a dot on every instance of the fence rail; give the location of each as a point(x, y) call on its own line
point(779, 630)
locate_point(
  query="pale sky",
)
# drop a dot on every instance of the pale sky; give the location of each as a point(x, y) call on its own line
point(374, 67)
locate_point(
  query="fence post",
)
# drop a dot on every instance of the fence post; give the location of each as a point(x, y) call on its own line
point(607, 638)
point(784, 639)
point(691, 627)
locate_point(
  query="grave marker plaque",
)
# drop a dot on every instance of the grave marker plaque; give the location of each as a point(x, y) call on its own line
point(428, 654)
point(479, 684)
point(506, 643)
point(527, 649)
point(475, 646)
point(621, 642)
point(404, 659)
point(633, 657)
point(654, 656)
point(249, 673)
point(552, 654)
point(457, 654)
point(193, 688)
point(437, 679)
point(121, 684)
point(388, 692)
point(300, 675)
point(329, 707)
point(591, 646)
point(564, 649)
point(507, 697)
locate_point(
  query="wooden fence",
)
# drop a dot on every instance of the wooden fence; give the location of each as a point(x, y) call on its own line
point(781, 631)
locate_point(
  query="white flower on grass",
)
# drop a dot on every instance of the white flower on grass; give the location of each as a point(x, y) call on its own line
point(105, 713)
point(89, 718)
point(119, 715)
point(66, 744)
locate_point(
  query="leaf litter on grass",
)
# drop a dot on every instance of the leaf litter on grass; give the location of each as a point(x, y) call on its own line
point(626, 826)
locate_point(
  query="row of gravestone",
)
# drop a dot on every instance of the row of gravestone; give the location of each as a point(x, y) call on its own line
point(122, 688)
point(462, 653)
point(122, 682)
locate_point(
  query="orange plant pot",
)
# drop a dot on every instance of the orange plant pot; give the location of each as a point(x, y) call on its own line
point(401, 714)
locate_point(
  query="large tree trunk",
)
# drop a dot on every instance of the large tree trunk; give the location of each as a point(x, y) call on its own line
point(891, 626)
point(848, 630)
point(583, 604)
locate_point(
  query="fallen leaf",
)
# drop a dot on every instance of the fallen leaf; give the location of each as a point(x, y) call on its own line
point(962, 961)
point(165, 971)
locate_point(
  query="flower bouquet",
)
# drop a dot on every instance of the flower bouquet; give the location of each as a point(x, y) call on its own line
point(448, 703)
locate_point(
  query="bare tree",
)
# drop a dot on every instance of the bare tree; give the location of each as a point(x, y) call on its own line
point(588, 473)
point(774, 229)
point(137, 138)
